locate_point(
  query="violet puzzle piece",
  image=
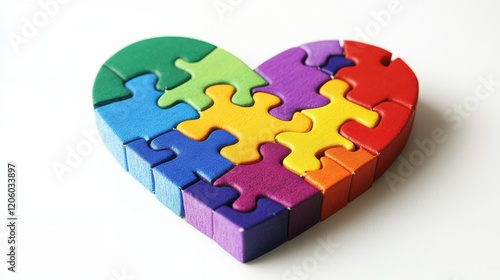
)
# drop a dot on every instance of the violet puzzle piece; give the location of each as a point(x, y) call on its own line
point(200, 202)
point(194, 160)
point(123, 121)
point(318, 52)
point(293, 82)
point(268, 178)
point(335, 63)
point(141, 159)
point(249, 235)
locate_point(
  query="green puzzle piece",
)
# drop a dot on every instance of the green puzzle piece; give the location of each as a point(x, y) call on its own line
point(108, 88)
point(157, 56)
point(218, 67)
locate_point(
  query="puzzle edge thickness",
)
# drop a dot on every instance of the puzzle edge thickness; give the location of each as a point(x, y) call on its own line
point(128, 81)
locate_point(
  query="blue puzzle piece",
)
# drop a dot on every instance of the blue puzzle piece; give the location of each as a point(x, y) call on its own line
point(194, 160)
point(141, 159)
point(335, 62)
point(138, 117)
point(200, 202)
point(247, 235)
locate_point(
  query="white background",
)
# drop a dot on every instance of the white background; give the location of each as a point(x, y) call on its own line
point(441, 221)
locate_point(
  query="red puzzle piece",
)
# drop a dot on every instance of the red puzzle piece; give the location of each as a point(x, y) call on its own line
point(375, 78)
point(387, 139)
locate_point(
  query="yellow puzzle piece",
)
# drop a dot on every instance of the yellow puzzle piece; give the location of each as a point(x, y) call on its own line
point(327, 120)
point(251, 125)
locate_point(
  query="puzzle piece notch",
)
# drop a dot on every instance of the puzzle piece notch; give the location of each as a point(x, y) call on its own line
point(268, 178)
point(387, 139)
point(318, 52)
point(293, 82)
point(123, 121)
point(307, 147)
point(194, 160)
point(250, 125)
point(375, 78)
point(218, 67)
point(156, 56)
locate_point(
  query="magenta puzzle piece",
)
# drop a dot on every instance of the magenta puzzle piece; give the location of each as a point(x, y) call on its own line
point(268, 178)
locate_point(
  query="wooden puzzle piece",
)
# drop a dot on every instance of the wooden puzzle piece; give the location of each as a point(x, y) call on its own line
point(156, 56)
point(251, 125)
point(248, 235)
point(200, 202)
point(194, 160)
point(335, 63)
point(360, 163)
point(375, 78)
point(123, 121)
point(307, 147)
point(334, 182)
point(293, 82)
point(388, 138)
point(218, 67)
point(141, 159)
point(268, 178)
point(108, 87)
point(318, 52)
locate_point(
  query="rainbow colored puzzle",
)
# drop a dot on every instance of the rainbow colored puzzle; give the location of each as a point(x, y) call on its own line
point(253, 158)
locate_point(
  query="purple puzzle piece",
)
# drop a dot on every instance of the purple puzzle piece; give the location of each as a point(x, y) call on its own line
point(251, 234)
point(200, 202)
point(293, 82)
point(268, 178)
point(318, 52)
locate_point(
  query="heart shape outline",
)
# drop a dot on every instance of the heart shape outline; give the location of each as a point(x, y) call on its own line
point(172, 72)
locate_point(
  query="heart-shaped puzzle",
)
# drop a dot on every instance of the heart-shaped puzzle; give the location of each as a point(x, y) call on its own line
point(254, 158)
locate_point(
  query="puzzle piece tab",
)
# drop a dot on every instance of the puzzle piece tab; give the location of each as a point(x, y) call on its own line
point(251, 125)
point(335, 63)
point(156, 56)
point(388, 138)
point(293, 82)
point(194, 160)
point(124, 121)
point(268, 178)
point(375, 78)
point(307, 147)
point(218, 67)
point(318, 52)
